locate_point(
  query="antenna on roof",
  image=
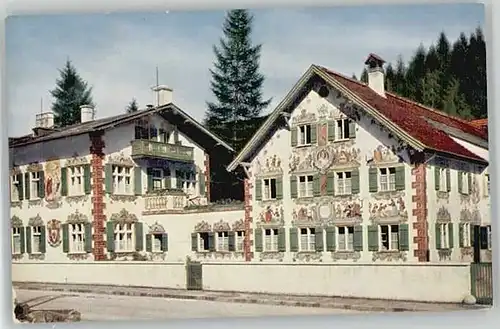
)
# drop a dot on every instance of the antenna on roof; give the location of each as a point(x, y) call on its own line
point(41, 105)
point(157, 84)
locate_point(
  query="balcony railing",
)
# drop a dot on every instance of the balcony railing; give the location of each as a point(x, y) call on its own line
point(161, 203)
point(145, 148)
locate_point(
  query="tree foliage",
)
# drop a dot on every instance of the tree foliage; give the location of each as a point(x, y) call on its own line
point(133, 106)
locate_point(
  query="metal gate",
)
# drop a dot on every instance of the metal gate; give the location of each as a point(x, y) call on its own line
point(481, 275)
point(194, 276)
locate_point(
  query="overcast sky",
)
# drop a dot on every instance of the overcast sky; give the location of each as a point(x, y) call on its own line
point(117, 53)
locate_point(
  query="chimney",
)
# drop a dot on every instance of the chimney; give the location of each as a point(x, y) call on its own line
point(163, 95)
point(44, 120)
point(87, 113)
point(376, 74)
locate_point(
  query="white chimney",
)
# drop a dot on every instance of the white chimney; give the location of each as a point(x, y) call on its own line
point(376, 74)
point(44, 120)
point(87, 113)
point(163, 95)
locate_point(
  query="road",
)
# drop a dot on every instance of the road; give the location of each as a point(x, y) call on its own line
point(96, 307)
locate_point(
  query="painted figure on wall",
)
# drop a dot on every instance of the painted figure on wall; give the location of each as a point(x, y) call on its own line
point(54, 232)
point(52, 181)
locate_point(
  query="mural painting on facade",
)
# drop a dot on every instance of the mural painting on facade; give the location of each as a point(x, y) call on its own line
point(271, 216)
point(474, 197)
point(443, 216)
point(391, 209)
point(271, 165)
point(323, 159)
point(54, 233)
point(383, 154)
point(17, 223)
point(305, 215)
point(53, 184)
point(348, 210)
point(301, 160)
point(303, 117)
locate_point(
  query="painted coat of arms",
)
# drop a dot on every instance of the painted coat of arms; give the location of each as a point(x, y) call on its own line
point(323, 159)
point(54, 232)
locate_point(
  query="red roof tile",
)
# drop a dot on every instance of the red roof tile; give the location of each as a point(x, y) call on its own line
point(480, 123)
point(413, 118)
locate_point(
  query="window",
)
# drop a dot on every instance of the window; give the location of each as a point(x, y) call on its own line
point(342, 129)
point(307, 239)
point(36, 239)
point(389, 237)
point(343, 183)
point(387, 179)
point(203, 241)
point(269, 189)
point(488, 229)
point(77, 236)
point(222, 241)
point(76, 185)
point(14, 188)
point(466, 232)
point(465, 182)
point(122, 180)
point(16, 240)
point(186, 180)
point(35, 184)
point(240, 240)
point(271, 240)
point(304, 135)
point(444, 236)
point(124, 237)
point(157, 242)
point(305, 186)
point(345, 238)
point(443, 181)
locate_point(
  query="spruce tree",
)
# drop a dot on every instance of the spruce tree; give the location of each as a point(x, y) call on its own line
point(415, 73)
point(364, 76)
point(389, 78)
point(70, 93)
point(236, 82)
point(399, 78)
point(132, 106)
point(431, 89)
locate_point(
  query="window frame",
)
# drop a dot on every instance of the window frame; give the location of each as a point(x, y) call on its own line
point(391, 179)
point(306, 134)
point(342, 130)
point(310, 237)
point(348, 245)
point(126, 230)
point(127, 172)
point(273, 238)
point(389, 237)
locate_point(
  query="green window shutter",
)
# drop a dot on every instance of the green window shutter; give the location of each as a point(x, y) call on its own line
point(28, 239)
point(110, 236)
point(201, 182)
point(316, 186)
point(461, 235)
point(87, 184)
point(355, 181)
point(330, 239)
point(211, 241)
point(232, 241)
point(149, 172)
point(459, 185)
point(281, 239)
point(293, 136)
point(450, 234)
point(438, 236)
point(65, 237)
point(404, 243)
point(258, 189)
point(88, 237)
point(436, 178)
point(352, 129)
point(108, 178)
point(64, 181)
point(373, 180)
point(400, 178)
point(137, 180)
point(279, 188)
point(27, 186)
point(471, 232)
point(469, 180)
point(164, 242)
point(194, 241)
point(166, 177)
point(330, 183)
point(41, 185)
point(23, 240)
point(257, 239)
point(318, 239)
point(293, 187)
point(331, 131)
point(358, 238)
point(43, 240)
point(20, 186)
point(314, 134)
point(448, 179)
point(149, 242)
point(179, 175)
point(139, 236)
point(373, 238)
point(294, 239)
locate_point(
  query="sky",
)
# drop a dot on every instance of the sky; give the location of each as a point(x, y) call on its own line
point(117, 54)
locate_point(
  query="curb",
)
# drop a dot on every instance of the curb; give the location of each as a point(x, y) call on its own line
point(362, 308)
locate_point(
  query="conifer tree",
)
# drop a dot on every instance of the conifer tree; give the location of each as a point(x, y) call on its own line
point(70, 93)
point(132, 106)
point(364, 76)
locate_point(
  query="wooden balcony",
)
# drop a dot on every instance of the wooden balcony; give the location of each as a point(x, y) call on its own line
point(164, 203)
point(151, 149)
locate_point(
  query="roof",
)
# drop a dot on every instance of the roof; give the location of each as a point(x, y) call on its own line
point(185, 123)
point(479, 123)
point(422, 127)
